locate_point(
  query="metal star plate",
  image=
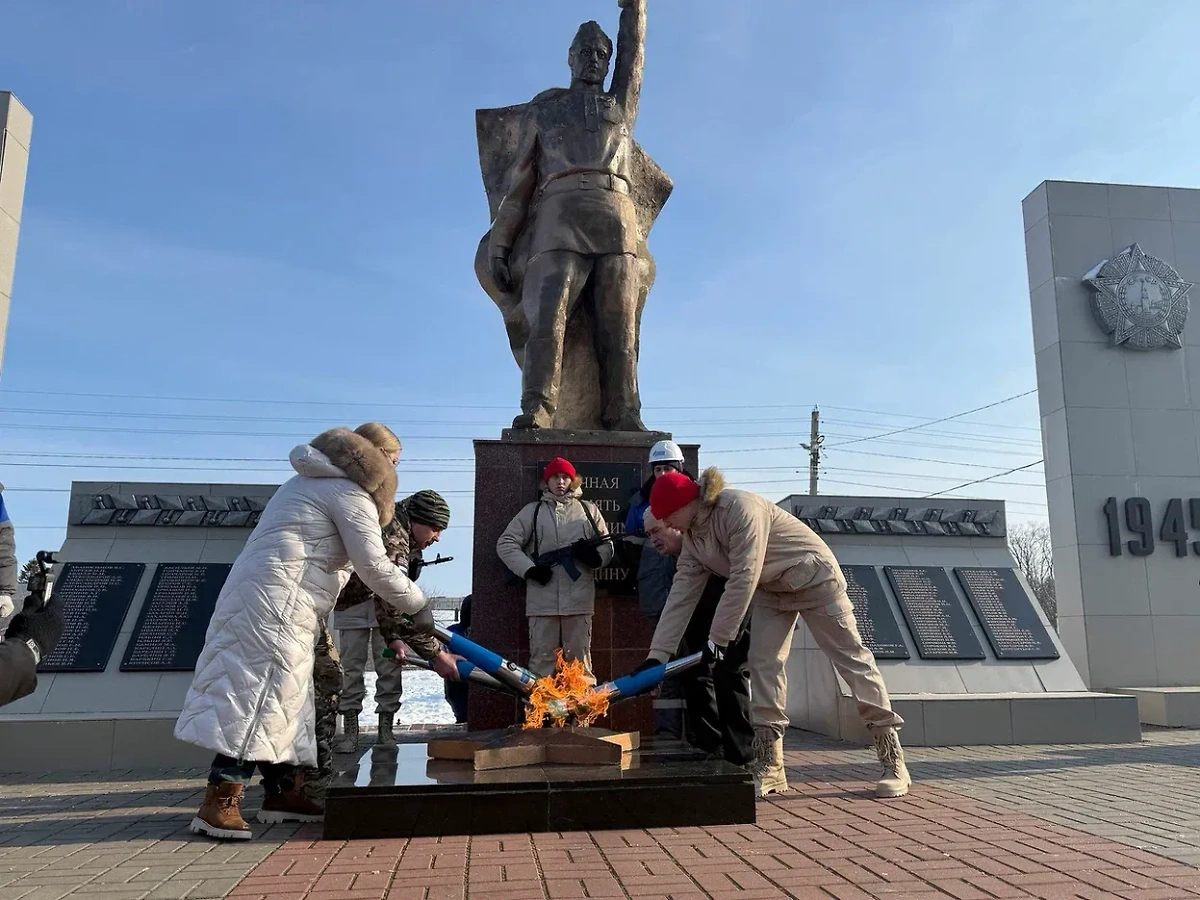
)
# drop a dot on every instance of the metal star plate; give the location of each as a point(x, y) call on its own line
point(1140, 300)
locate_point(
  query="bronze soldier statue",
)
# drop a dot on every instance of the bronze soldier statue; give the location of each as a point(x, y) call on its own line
point(573, 197)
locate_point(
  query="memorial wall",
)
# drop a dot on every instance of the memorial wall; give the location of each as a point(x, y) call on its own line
point(967, 653)
point(141, 568)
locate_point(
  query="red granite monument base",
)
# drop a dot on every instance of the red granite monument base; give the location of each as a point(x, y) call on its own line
point(507, 476)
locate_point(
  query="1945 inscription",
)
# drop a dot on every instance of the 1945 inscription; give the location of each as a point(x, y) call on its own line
point(1139, 519)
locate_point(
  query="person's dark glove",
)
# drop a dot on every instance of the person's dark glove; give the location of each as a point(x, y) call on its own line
point(587, 554)
point(539, 574)
point(648, 663)
point(44, 628)
point(414, 568)
point(713, 654)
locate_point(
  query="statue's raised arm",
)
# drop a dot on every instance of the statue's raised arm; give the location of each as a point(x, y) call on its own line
point(631, 56)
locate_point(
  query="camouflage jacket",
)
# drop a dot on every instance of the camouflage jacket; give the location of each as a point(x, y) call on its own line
point(413, 630)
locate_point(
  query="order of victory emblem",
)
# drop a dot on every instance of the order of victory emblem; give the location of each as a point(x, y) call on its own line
point(1140, 300)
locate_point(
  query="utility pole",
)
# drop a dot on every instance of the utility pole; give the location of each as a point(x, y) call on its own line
point(814, 451)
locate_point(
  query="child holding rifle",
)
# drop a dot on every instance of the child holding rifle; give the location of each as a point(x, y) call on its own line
point(559, 606)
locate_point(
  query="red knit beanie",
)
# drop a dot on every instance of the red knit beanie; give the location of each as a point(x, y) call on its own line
point(558, 466)
point(672, 491)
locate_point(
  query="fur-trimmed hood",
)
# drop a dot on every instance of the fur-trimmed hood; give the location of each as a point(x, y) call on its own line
point(712, 482)
point(342, 453)
point(574, 492)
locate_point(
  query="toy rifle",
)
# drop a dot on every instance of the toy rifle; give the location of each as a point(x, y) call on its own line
point(565, 556)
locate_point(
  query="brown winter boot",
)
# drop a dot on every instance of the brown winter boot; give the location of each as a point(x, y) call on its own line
point(220, 815)
point(896, 780)
point(386, 738)
point(290, 805)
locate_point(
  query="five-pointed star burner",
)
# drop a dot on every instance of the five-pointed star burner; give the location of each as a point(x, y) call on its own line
point(508, 748)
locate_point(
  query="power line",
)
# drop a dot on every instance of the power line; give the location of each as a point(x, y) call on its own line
point(945, 462)
point(990, 438)
point(295, 435)
point(56, 454)
point(896, 415)
point(893, 489)
point(225, 417)
point(281, 401)
point(938, 421)
point(988, 478)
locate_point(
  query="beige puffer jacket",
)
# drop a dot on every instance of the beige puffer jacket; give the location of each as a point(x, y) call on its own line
point(560, 522)
point(769, 556)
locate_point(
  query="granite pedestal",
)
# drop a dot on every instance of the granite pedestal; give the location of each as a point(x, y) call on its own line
point(399, 792)
point(507, 476)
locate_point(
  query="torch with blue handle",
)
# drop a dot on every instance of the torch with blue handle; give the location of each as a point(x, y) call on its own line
point(467, 671)
point(507, 675)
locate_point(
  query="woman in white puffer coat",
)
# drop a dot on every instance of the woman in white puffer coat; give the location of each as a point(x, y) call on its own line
point(251, 699)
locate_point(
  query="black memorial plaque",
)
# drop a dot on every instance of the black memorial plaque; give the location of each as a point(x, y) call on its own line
point(169, 633)
point(1006, 612)
point(95, 598)
point(876, 622)
point(609, 486)
point(934, 614)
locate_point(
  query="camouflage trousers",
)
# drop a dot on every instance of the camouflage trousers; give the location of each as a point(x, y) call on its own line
point(327, 691)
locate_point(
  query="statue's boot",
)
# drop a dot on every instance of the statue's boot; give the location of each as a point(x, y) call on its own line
point(528, 421)
point(540, 376)
point(628, 421)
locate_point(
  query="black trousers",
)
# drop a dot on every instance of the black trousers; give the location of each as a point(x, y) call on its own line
point(718, 702)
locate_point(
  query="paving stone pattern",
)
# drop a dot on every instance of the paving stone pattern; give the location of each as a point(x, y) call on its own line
point(985, 823)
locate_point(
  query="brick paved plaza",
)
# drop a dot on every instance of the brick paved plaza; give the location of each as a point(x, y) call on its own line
point(1087, 822)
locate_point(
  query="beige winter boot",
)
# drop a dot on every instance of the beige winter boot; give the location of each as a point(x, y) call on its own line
point(387, 737)
point(767, 768)
point(348, 742)
point(896, 780)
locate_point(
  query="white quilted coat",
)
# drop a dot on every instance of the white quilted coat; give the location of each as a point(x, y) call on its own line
point(252, 694)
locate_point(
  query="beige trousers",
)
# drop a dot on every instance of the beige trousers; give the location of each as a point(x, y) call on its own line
point(548, 633)
point(836, 634)
point(357, 644)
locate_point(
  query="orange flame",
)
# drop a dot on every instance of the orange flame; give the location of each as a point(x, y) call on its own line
point(566, 697)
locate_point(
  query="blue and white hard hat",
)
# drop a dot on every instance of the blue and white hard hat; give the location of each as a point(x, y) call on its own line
point(665, 453)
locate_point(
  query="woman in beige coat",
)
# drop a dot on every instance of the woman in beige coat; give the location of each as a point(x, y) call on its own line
point(559, 608)
point(781, 571)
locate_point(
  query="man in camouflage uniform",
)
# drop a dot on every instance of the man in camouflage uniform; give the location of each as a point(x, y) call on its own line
point(418, 524)
point(327, 689)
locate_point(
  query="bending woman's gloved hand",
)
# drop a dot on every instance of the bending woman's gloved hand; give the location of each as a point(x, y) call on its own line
point(44, 627)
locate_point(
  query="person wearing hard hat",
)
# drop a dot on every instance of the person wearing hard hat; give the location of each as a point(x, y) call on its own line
point(655, 570)
point(780, 571)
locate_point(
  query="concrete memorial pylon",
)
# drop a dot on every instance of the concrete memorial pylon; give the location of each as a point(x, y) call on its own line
point(16, 129)
point(1111, 273)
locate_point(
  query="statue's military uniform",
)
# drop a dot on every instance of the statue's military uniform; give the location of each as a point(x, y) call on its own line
point(574, 159)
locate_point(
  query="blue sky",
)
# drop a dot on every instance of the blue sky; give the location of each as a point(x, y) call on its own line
point(279, 202)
